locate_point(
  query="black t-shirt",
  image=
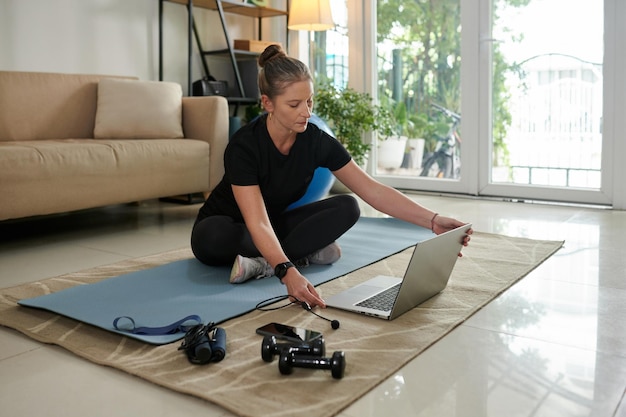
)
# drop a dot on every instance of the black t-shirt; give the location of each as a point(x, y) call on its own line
point(252, 159)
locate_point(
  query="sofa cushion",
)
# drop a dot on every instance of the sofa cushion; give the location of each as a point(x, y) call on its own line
point(138, 110)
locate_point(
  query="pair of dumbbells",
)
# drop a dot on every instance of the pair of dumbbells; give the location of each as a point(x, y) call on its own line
point(303, 355)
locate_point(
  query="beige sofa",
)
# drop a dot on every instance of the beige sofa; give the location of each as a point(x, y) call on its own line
point(60, 152)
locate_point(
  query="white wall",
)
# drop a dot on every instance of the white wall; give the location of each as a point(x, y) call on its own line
point(78, 36)
point(115, 37)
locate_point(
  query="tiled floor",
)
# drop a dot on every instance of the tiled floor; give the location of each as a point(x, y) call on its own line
point(553, 345)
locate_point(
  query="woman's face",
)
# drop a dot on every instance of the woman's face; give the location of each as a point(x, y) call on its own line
point(292, 109)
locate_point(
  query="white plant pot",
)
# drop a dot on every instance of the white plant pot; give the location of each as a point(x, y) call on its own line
point(416, 153)
point(391, 152)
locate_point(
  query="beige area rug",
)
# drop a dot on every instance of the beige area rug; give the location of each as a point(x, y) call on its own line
point(247, 386)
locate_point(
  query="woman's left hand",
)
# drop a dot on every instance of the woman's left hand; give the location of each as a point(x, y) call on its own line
point(441, 224)
point(299, 288)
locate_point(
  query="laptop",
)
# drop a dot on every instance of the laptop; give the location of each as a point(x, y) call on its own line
point(427, 275)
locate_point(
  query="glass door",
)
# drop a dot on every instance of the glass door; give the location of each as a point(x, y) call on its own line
point(546, 100)
point(418, 52)
point(512, 98)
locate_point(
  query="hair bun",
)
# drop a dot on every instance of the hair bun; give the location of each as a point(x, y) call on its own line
point(271, 52)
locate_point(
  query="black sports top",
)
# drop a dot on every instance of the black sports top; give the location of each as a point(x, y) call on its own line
point(252, 159)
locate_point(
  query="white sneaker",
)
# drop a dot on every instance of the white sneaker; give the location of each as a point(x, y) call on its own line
point(247, 268)
point(325, 256)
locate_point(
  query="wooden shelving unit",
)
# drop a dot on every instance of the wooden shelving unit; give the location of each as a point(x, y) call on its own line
point(235, 56)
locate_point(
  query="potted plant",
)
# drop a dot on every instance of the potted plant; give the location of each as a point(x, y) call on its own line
point(349, 115)
point(420, 129)
point(391, 151)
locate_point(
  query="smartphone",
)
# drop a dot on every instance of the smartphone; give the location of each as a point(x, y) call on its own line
point(290, 333)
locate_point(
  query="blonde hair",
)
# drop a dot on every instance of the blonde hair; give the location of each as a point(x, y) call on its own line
point(277, 71)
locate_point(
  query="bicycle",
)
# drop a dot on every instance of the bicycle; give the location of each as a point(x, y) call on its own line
point(445, 160)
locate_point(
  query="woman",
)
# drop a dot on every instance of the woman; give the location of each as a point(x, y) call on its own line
point(268, 165)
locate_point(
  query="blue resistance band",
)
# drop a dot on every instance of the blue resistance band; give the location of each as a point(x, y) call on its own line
point(128, 325)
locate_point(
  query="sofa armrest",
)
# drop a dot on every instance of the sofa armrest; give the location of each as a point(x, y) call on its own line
point(206, 118)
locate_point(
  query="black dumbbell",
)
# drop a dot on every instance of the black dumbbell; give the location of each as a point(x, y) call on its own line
point(271, 347)
point(289, 360)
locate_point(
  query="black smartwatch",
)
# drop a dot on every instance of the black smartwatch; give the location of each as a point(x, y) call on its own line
point(281, 269)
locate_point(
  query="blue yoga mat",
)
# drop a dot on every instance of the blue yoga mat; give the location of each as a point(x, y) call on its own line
point(163, 295)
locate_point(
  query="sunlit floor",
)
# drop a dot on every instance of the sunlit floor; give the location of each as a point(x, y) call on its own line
point(553, 345)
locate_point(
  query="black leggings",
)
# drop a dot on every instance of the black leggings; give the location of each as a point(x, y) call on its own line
point(217, 240)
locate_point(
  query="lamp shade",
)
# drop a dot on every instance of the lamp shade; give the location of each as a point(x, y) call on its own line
point(312, 15)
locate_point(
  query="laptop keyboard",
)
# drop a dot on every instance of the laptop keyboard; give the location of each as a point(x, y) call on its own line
point(383, 301)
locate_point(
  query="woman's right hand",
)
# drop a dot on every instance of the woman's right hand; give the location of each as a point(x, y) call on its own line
point(301, 289)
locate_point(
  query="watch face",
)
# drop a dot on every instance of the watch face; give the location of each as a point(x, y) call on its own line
point(281, 269)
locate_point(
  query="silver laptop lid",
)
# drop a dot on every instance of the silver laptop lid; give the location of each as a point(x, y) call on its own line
point(429, 269)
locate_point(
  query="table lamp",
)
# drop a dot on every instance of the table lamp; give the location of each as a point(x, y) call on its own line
point(310, 15)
